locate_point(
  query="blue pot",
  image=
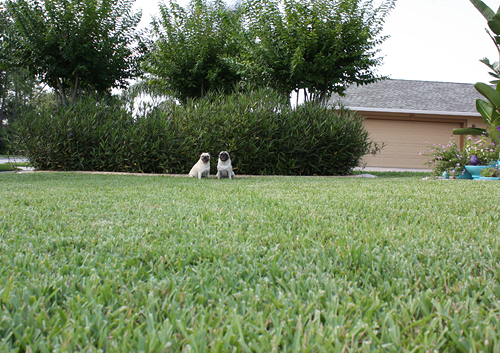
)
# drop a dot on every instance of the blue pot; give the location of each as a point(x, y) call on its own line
point(464, 175)
point(475, 170)
point(488, 178)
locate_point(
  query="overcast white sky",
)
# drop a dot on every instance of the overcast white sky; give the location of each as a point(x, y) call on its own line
point(430, 40)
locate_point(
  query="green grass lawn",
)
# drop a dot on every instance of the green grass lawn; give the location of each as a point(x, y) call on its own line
point(300, 264)
point(6, 167)
point(10, 167)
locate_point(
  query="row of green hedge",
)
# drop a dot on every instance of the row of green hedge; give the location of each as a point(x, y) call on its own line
point(264, 135)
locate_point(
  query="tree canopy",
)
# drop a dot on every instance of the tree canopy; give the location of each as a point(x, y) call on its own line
point(190, 56)
point(315, 45)
point(77, 45)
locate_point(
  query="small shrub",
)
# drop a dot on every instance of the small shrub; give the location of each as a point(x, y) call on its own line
point(264, 135)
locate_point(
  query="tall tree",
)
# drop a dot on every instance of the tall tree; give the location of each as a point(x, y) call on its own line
point(77, 46)
point(18, 88)
point(316, 45)
point(6, 61)
point(193, 49)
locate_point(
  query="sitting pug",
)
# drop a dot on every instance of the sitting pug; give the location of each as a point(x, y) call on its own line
point(224, 167)
point(202, 167)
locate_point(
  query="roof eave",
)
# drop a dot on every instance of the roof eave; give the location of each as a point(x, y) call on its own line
point(411, 111)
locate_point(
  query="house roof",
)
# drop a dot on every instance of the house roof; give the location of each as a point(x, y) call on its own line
point(405, 96)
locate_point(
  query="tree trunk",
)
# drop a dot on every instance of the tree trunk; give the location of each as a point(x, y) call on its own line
point(16, 99)
point(63, 93)
point(75, 91)
point(322, 98)
point(56, 94)
point(2, 107)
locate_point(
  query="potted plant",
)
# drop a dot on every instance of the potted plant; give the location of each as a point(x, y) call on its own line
point(490, 173)
point(474, 168)
point(454, 162)
point(483, 153)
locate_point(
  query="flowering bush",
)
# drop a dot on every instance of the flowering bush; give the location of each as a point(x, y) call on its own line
point(449, 158)
point(485, 150)
point(446, 158)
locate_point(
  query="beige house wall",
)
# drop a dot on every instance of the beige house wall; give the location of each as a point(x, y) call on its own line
point(407, 135)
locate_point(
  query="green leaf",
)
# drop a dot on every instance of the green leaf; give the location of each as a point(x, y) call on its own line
point(489, 93)
point(483, 8)
point(493, 129)
point(485, 109)
point(469, 131)
point(494, 26)
point(63, 316)
point(493, 66)
point(6, 291)
point(496, 122)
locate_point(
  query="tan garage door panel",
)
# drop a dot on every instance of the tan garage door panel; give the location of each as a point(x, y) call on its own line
point(404, 140)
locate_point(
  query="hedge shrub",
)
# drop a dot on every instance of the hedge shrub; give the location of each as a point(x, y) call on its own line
point(4, 138)
point(264, 135)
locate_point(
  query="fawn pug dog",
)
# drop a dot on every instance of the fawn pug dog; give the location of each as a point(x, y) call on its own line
point(202, 167)
point(224, 167)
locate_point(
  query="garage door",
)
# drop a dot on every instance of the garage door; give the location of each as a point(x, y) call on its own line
point(404, 140)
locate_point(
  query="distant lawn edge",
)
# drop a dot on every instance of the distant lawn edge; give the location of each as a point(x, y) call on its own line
point(355, 174)
point(7, 167)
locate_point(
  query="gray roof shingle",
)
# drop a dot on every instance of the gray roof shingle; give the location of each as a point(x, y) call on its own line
point(406, 95)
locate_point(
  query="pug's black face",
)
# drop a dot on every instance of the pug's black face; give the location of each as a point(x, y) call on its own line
point(224, 156)
point(205, 157)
